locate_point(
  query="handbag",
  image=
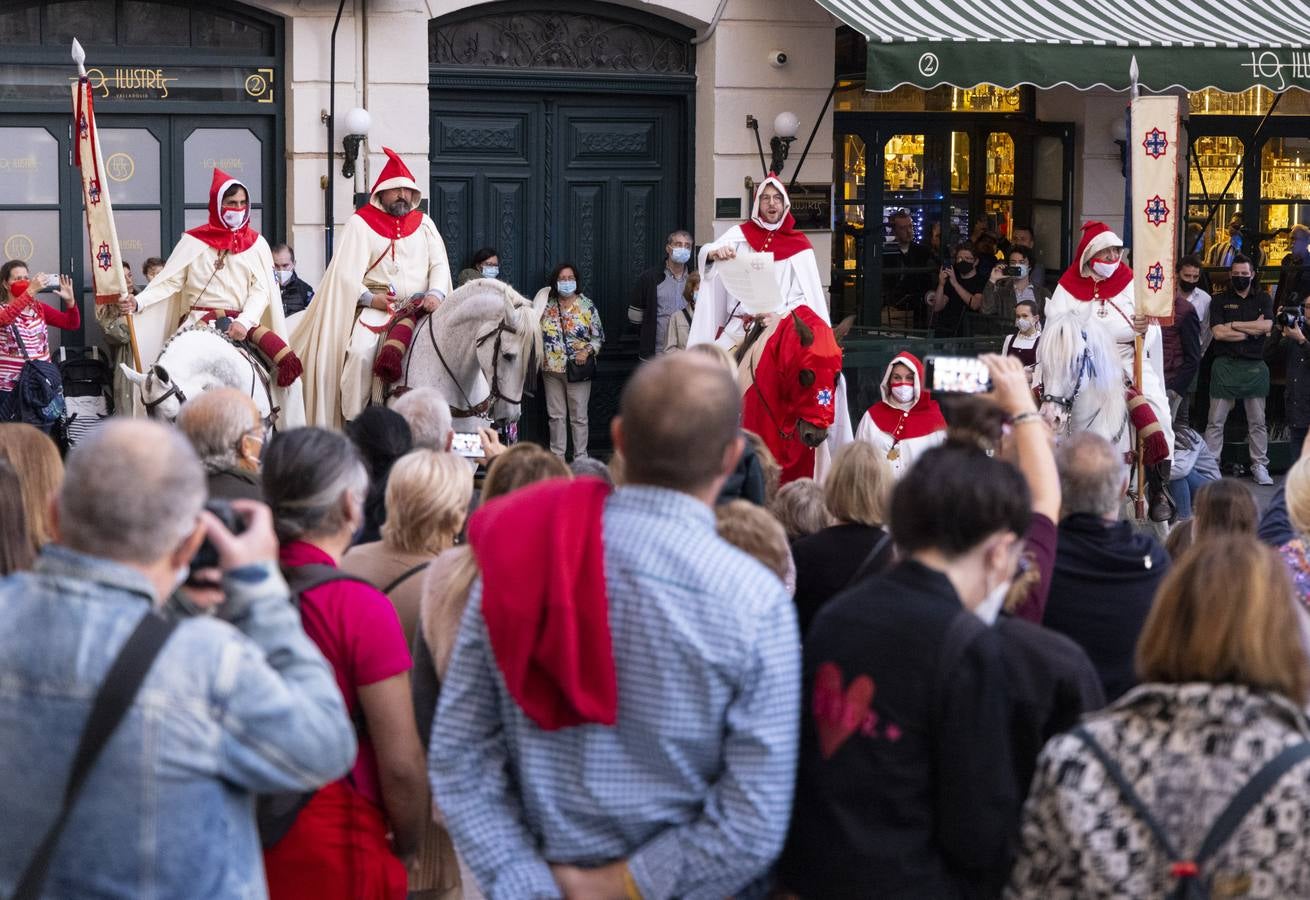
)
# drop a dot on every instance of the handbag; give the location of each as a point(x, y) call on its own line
point(111, 703)
point(38, 395)
point(574, 371)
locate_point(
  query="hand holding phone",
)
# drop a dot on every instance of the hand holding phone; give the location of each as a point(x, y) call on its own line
point(957, 375)
point(467, 445)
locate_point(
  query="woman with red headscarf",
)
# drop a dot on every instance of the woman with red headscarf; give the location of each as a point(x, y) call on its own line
point(906, 422)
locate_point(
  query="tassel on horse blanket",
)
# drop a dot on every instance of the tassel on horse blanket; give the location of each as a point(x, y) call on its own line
point(1149, 429)
point(287, 363)
point(392, 352)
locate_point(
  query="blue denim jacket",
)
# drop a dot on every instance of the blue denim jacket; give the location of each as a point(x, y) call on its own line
point(230, 708)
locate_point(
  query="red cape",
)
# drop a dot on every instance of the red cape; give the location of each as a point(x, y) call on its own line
point(924, 417)
point(389, 226)
point(214, 232)
point(1084, 287)
point(783, 243)
point(544, 600)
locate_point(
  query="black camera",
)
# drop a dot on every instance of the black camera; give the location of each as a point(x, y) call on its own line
point(207, 556)
point(1291, 317)
point(1012, 272)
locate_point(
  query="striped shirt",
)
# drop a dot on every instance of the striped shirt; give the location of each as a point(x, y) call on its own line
point(32, 328)
point(693, 785)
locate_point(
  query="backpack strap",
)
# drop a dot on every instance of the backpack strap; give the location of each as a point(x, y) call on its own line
point(865, 567)
point(960, 632)
point(305, 578)
point(112, 701)
point(1129, 795)
point(1261, 783)
point(405, 576)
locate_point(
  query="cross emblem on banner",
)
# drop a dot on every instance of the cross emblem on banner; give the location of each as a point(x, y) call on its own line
point(93, 191)
point(81, 125)
point(1156, 143)
point(1155, 277)
point(1157, 211)
point(104, 257)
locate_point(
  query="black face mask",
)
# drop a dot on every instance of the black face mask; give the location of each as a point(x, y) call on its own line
point(962, 269)
point(1188, 286)
point(1240, 282)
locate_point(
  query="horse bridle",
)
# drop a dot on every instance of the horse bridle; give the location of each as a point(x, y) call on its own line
point(1085, 364)
point(471, 410)
point(175, 389)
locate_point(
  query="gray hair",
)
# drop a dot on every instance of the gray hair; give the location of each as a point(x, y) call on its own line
point(677, 233)
point(1092, 475)
point(133, 491)
point(428, 414)
point(306, 473)
point(589, 466)
point(215, 422)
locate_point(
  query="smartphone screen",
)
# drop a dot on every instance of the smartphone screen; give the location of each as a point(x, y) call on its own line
point(958, 375)
point(469, 445)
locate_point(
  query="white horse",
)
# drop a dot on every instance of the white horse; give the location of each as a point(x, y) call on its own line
point(479, 349)
point(1082, 381)
point(196, 359)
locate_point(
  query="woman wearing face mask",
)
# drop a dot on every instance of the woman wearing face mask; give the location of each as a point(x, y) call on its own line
point(680, 323)
point(959, 292)
point(571, 336)
point(1027, 334)
point(485, 264)
point(1008, 284)
point(906, 422)
point(24, 326)
point(904, 785)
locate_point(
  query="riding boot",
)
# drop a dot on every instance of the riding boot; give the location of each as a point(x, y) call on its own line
point(1160, 504)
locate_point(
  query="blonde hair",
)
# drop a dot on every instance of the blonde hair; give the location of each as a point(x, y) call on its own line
point(859, 486)
point(800, 508)
point(1297, 492)
point(693, 282)
point(427, 498)
point(521, 465)
point(40, 474)
point(1226, 614)
point(753, 530)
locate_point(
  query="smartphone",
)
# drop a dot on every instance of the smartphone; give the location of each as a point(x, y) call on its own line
point(957, 375)
point(469, 445)
point(49, 282)
point(1012, 271)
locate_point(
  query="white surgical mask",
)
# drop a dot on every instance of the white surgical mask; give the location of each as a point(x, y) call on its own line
point(283, 275)
point(490, 271)
point(1104, 269)
point(903, 393)
point(695, 295)
point(1024, 325)
point(235, 218)
point(990, 608)
point(566, 288)
point(680, 255)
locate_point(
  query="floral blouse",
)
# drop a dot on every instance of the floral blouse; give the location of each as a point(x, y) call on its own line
point(580, 325)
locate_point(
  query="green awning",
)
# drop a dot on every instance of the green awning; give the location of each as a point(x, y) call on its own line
point(1187, 44)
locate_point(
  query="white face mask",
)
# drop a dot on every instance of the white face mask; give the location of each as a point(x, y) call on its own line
point(903, 393)
point(490, 271)
point(990, 608)
point(1024, 325)
point(283, 275)
point(234, 218)
point(1103, 268)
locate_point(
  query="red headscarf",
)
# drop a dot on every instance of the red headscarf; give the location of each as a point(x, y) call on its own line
point(215, 232)
point(780, 238)
point(395, 174)
point(924, 417)
point(1096, 237)
point(544, 600)
point(780, 395)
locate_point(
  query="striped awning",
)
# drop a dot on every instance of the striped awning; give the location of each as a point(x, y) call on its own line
point(1187, 44)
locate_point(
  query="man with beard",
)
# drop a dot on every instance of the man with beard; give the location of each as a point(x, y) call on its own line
point(391, 257)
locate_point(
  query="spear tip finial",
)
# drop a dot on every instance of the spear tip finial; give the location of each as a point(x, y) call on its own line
point(79, 57)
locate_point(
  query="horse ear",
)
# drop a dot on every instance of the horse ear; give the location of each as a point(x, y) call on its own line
point(132, 374)
point(803, 331)
point(806, 377)
point(511, 314)
point(161, 373)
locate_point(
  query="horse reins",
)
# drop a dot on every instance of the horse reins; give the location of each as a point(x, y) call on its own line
point(472, 410)
point(256, 370)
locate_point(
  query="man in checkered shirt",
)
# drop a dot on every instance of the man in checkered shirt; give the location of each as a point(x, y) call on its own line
point(688, 792)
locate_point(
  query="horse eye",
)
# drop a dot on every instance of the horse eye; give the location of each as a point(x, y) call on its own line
point(509, 357)
point(807, 377)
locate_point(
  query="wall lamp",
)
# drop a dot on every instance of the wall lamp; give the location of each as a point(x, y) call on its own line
point(357, 124)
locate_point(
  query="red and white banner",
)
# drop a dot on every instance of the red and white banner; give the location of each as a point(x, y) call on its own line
point(1153, 143)
point(106, 263)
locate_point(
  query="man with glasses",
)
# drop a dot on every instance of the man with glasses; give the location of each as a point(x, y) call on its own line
point(224, 427)
point(959, 291)
point(658, 293)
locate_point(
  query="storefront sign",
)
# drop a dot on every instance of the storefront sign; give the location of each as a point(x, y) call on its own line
point(157, 83)
point(811, 205)
point(727, 207)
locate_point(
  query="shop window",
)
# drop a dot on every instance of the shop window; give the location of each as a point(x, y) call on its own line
point(959, 162)
point(32, 236)
point(851, 214)
point(153, 25)
point(1284, 194)
point(1254, 102)
point(234, 150)
point(221, 32)
point(131, 157)
point(852, 97)
point(29, 166)
point(138, 240)
point(136, 23)
point(903, 169)
point(22, 27)
point(90, 21)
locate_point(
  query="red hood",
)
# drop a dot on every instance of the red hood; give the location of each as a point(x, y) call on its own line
point(923, 417)
point(544, 600)
point(782, 239)
point(1084, 286)
point(395, 174)
point(214, 232)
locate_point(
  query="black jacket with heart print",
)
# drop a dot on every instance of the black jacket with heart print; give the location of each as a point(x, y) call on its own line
point(905, 786)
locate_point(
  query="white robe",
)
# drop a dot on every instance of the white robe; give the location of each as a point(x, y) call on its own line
point(908, 450)
point(330, 336)
point(1118, 322)
point(244, 285)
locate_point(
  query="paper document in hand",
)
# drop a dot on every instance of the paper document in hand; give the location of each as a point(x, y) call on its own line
point(749, 279)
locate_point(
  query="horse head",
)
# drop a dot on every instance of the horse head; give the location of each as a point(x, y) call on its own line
point(1082, 380)
point(161, 396)
point(806, 363)
point(510, 353)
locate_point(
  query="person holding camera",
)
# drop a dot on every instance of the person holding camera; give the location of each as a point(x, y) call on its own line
point(1294, 338)
point(1240, 319)
point(959, 290)
point(1011, 284)
point(232, 703)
